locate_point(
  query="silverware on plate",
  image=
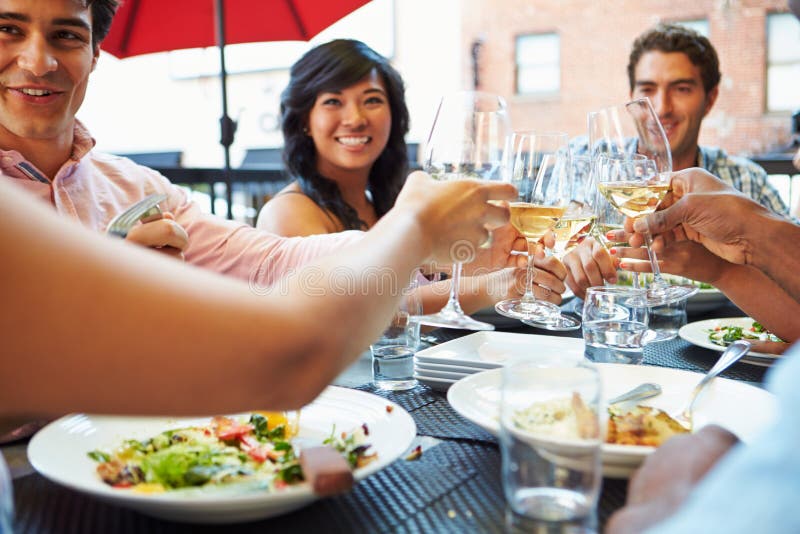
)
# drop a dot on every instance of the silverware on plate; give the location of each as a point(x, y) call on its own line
point(732, 354)
point(147, 208)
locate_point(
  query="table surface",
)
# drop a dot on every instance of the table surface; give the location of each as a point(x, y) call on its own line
point(453, 487)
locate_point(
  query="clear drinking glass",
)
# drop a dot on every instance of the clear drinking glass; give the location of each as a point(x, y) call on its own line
point(6, 498)
point(579, 218)
point(393, 353)
point(635, 188)
point(578, 222)
point(666, 320)
point(615, 324)
point(629, 129)
point(539, 167)
point(552, 425)
point(467, 140)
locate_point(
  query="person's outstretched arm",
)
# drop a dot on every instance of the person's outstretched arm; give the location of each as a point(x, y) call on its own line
point(730, 225)
point(90, 324)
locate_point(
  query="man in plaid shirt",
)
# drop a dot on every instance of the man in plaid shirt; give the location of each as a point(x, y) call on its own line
point(678, 70)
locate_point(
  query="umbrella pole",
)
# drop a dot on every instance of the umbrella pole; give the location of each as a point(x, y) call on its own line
point(227, 125)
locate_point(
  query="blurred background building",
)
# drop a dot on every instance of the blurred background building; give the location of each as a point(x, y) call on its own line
point(553, 60)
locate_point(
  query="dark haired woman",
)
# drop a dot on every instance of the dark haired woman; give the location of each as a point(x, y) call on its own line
point(344, 121)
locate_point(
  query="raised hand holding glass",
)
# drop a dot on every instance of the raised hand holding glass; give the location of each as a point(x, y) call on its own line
point(633, 130)
point(467, 141)
point(539, 168)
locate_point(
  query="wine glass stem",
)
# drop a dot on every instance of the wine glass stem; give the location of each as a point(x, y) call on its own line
point(452, 303)
point(658, 282)
point(530, 273)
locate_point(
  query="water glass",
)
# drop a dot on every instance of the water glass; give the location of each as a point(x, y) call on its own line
point(6, 498)
point(666, 320)
point(550, 437)
point(393, 353)
point(615, 324)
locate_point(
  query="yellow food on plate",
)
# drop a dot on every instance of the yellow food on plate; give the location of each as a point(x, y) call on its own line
point(644, 425)
point(290, 419)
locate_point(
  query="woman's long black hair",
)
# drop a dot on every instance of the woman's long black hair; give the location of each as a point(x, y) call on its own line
point(331, 67)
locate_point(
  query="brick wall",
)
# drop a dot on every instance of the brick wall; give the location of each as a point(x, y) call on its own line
point(596, 36)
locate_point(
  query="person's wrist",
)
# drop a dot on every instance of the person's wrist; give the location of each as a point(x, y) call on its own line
point(727, 276)
point(765, 240)
point(411, 223)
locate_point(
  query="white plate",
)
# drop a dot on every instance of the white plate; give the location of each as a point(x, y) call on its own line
point(740, 407)
point(463, 369)
point(697, 334)
point(59, 453)
point(430, 373)
point(490, 350)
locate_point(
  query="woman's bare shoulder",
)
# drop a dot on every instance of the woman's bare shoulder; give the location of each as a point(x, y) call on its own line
point(292, 213)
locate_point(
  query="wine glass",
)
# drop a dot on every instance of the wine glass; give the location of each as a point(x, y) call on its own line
point(635, 187)
point(628, 129)
point(579, 218)
point(577, 222)
point(633, 130)
point(539, 167)
point(467, 140)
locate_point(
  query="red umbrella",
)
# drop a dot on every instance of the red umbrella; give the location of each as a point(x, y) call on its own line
point(147, 26)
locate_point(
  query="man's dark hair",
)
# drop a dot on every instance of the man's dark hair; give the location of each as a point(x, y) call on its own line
point(102, 14)
point(332, 67)
point(675, 38)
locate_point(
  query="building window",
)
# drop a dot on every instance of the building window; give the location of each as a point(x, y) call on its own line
point(783, 62)
point(538, 63)
point(698, 25)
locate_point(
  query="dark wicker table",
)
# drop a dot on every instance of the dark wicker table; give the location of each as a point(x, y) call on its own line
point(453, 487)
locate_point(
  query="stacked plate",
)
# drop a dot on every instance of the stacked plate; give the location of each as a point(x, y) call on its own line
point(441, 366)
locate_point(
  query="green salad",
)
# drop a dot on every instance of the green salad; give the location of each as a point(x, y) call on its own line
point(226, 450)
point(726, 334)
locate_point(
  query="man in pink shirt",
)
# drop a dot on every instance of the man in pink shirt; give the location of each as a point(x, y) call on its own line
point(46, 62)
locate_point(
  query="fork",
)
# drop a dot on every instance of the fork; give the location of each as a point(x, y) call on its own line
point(732, 354)
point(144, 209)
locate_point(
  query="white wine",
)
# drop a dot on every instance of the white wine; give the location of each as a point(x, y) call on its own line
point(634, 198)
point(534, 221)
point(571, 229)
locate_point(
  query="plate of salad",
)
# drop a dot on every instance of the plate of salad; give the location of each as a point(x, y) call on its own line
point(717, 334)
point(218, 469)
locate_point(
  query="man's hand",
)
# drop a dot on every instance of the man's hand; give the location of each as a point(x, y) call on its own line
point(163, 234)
point(455, 216)
point(509, 283)
point(588, 265)
point(667, 477)
point(682, 258)
point(504, 240)
point(708, 212)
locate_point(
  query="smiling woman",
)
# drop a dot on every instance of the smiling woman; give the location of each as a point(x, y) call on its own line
point(344, 119)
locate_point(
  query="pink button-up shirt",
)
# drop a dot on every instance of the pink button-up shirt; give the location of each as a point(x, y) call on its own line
point(92, 188)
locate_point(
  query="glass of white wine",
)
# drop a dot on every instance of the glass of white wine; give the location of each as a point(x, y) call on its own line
point(632, 130)
point(539, 167)
point(579, 218)
point(635, 187)
point(467, 141)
